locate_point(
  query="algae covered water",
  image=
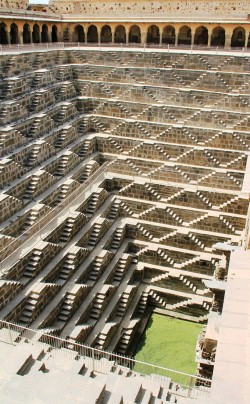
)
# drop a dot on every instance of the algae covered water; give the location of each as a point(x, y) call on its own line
point(168, 342)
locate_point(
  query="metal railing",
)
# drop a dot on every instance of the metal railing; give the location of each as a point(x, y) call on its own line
point(9, 48)
point(182, 384)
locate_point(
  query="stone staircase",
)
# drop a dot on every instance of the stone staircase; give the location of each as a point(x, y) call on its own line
point(124, 300)
point(108, 381)
point(39, 296)
point(99, 302)
point(121, 267)
point(172, 138)
point(118, 238)
point(68, 304)
point(126, 337)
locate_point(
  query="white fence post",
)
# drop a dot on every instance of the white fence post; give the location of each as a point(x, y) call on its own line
point(11, 339)
point(93, 359)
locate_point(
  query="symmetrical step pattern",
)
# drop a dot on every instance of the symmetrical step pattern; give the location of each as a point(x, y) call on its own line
point(118, 175)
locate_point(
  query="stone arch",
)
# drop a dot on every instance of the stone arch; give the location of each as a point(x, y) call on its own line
point(120, 34)
point(26, 34)
point(79, 34)
point(54, 34)
point(218, 37)
point(185, 35)
point(92, 35)
point(201, 36)
point(135, 34)
point(168, 35)
point(106, 34)
point(45, 33)
point(153, 34)
point(13, 33)
point(36, 33)
point(3, 34)
point(238, 38)
point(248, 42)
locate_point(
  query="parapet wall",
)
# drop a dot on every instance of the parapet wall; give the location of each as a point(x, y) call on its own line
point(14, 4)
point(157, 9)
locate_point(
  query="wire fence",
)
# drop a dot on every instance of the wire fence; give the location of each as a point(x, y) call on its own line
point(179, 383)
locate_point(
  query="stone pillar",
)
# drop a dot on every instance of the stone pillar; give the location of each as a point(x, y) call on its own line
point(50, 36)
point(30, 35)
point(112, 35)
point(8, 37)
point(144, 37)
point(99, 35)
point(20, 37)
point(160, 43)
point(246, 40)
point(192, 38)
point(176, 36)
point(70, 35)
point(40, 36)
point(209, 37)
point(60, 35)
point(228, 37)
point(127, 35)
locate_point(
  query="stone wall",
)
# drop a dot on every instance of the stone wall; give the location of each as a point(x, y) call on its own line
point(14, 4)
point(136, 174)
point(153, 9)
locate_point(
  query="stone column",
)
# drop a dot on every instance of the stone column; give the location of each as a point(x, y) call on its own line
point(112, 35)
point(192, 38)
point(20, 37)
point(209, 37)
point(160, 43)
point(176, 36)
point(228, 37)
point(144, 37)
point(127, 35)
point(246, 40)
point(71, 35)
point(85, 34)
point(8, 37)
point(99, 35)
point(60, 35)
point(30, 35)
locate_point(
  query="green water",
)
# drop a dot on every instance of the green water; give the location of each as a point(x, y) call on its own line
point(168, 342)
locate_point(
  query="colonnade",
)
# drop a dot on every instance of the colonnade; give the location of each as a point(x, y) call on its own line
point(27, 33)
point(159, 34)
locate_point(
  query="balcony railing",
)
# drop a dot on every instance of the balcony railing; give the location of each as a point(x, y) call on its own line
point(18, 48)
